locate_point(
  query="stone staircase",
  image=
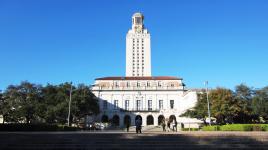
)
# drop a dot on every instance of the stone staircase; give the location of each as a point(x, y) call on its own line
point(121, 140)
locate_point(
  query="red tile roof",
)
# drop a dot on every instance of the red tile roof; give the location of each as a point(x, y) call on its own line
point(140, 78)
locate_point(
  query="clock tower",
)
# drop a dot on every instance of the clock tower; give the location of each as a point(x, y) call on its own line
point(138, 48)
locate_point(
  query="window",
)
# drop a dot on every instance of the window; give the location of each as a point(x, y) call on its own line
point(138, 84)
point(105, 104)
point(172, 84)
point(171, 104)
point(138, 104)
point(127, 84)
point(159, 84)
point(160, 104)
point(149, 105)
point(115, 104)
point(148, 83)
point(126, 104)
point(116, 84)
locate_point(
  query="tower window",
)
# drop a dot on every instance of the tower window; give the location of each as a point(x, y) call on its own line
point(171, 104)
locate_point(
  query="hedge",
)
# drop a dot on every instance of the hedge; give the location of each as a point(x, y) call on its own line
point(237, 127)
point(191, 129)
point(35, 127)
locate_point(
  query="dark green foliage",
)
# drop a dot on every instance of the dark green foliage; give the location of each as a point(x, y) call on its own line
point(244, 105)
point(30, 103)
point(191, 129)
point(35, 127)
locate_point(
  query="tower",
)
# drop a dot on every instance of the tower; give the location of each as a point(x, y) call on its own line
point(138, 48)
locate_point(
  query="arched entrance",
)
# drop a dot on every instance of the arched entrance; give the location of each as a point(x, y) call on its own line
point(150, 120)
point(115, 120)
point(104, 118)
point(138, 117)
point(172, 117)
point(127, 120)
point(160, 119)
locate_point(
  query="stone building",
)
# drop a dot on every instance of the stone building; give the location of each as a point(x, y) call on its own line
point(123, 99)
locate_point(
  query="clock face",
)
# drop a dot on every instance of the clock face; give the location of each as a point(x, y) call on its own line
point(139, 29)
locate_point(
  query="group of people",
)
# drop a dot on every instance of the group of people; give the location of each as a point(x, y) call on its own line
point(138, 124)
point(171, 125)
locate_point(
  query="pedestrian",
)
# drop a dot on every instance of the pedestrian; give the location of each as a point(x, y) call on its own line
point(168, 125)
point(176, 123)
point(127, 126)
point(164, 125)
point(138, 123)
point(173, 125)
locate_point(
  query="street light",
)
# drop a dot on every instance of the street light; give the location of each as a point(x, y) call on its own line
point(206, 83)
point(70, 101)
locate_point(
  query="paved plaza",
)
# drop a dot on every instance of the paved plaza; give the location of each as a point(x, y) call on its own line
point(122, 140)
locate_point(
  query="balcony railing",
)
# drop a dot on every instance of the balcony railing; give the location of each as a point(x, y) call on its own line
point(142, 88)
point(140, 110)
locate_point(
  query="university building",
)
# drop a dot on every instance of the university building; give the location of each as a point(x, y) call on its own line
point(123, 99)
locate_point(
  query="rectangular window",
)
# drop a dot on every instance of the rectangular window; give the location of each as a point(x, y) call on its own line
point(171, 104)
point(116, 84)
point(138, 104)
point(115, 104)
point(126, 104)
point(105, 104)
point(149, 105)
point(160, 104)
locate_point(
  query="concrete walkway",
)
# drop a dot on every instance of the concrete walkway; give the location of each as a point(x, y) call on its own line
point(122, 140)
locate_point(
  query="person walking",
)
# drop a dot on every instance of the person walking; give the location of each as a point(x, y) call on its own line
point(164, 125)
point(168, 126)
point(138, 125)
point(176, 123)
point(127, 126)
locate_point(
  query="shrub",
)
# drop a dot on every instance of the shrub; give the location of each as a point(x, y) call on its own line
point(35, 127)
point(191, 129)
point(237, 127)
point(211, 128)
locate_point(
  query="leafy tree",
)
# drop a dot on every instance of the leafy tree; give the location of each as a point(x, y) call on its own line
point(84, 103)
point(244, 96)
point(200, 111)
point(21, 102)
point(260, 103)
point(224, 107)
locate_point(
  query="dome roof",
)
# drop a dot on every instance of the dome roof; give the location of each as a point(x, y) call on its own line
point(138, 14)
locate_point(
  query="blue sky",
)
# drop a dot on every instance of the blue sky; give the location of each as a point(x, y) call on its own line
point(56, 41)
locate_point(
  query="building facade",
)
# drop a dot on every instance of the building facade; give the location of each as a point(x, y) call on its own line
point(123, 99)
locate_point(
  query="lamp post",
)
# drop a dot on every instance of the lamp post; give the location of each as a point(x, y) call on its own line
point(70, 101)
point(206, 83)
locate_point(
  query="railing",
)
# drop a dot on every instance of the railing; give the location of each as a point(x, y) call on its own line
point(142, 88)
point(140, 110)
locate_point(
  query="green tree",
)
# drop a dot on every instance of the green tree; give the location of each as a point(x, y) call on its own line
point(200, 111)
point(244, 96)
point(260, 103)
point(84, 103)
point(21, 103)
